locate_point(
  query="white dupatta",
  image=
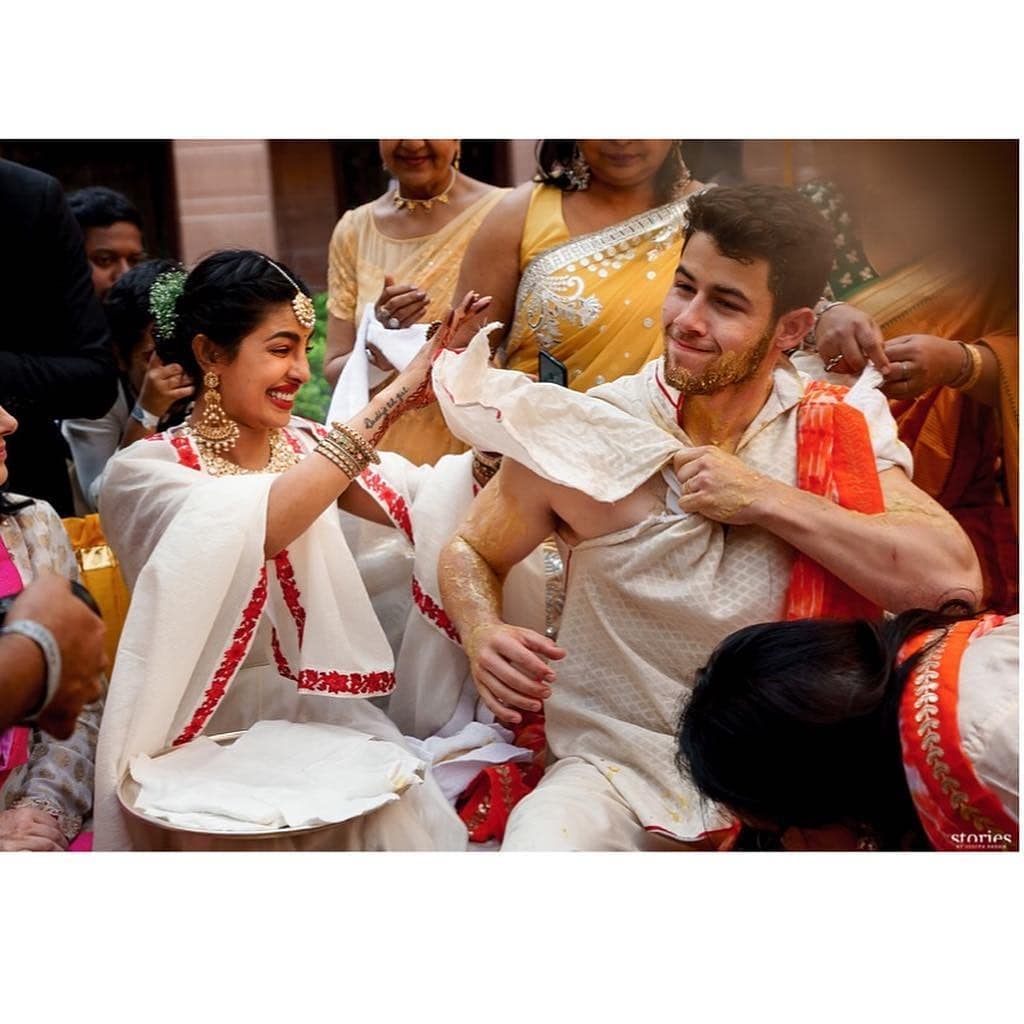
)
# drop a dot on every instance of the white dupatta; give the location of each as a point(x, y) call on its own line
point(191, 548)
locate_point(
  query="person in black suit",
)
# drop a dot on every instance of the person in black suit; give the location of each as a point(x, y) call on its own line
point(56, 361)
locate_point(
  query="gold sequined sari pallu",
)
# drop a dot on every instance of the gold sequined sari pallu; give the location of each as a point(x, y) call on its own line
point(594, 301)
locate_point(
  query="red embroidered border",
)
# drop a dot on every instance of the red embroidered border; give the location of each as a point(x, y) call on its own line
point(431, 610)
point(279, 659)
point(294, 443)
point(187, 455)
point(370, 683)
point(230, 661)
point(290, 589)
point(393, 502)
point(355, 683)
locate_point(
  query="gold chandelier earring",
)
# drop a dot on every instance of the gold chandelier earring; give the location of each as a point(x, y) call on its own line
point(215, 428)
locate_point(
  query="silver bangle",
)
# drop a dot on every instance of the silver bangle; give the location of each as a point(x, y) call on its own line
point(44, 639)
point(811, 340)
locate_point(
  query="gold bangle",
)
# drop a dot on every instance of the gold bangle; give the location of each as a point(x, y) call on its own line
point(342, 444)
point(360, 442)
point(347, 461)
point(975, 372)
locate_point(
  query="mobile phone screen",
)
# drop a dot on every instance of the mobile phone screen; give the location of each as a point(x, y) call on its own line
point(551, 370)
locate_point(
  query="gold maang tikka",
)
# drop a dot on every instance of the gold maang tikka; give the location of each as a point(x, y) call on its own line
point(302, 304)
point(215, 428)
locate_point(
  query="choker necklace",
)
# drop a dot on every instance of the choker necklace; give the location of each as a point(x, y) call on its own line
point(282, 456)
point(402, 203)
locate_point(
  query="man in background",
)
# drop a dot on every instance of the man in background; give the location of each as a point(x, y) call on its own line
point(112, 228)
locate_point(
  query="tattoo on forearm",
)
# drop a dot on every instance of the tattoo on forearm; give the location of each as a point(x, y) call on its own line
point(384, 416)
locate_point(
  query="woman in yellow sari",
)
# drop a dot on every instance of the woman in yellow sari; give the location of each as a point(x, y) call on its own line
point(579, 263)
point(402, 254)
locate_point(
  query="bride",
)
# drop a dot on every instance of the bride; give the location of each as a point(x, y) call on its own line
point(247, 605)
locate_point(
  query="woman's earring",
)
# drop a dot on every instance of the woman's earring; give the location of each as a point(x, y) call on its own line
point(215, 427)
point(458, 157)
point(578, 171)
point(681, 173)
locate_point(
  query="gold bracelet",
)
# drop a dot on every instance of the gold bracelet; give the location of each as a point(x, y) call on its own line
point(343, 430)
point(351, 471)
point(975, 371)
point(346, 460)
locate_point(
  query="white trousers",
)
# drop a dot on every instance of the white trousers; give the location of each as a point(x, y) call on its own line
point(575, 808)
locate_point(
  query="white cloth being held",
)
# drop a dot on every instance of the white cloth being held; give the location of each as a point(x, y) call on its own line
point(352, 391)
point(562, 435)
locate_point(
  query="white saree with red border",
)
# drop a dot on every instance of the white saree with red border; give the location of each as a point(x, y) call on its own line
point(217, 637)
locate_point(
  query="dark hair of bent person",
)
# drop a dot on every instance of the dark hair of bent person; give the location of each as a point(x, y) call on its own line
point(99, 207)
point(795, 724)
point(553, 155)
point(225, 297)
point(779, 225)
point(126, 305)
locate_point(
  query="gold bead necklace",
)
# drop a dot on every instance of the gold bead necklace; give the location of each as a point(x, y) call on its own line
point(282, 456)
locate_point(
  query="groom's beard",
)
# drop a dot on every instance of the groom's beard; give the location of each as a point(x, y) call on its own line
point(731, 368)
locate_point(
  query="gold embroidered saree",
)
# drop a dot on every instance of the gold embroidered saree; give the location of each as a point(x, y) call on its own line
point(594, 301)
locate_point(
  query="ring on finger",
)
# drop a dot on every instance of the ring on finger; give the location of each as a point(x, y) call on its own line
point(834, 361)
point(394, 323)
point(906, 367)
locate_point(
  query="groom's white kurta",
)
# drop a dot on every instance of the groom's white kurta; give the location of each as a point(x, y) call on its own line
point(644, 606)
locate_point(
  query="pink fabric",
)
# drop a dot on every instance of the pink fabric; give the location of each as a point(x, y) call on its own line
point(10, 583)
point(10, 579)
point(82, 843)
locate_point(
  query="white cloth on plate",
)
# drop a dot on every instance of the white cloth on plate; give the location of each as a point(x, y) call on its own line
point(352, 391)
point(275, 775)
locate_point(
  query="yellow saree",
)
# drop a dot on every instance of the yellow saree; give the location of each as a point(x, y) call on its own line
point(965, 455)
point(594, 301)
point(358, 259)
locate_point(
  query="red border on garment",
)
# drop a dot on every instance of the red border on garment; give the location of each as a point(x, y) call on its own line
point(434, 613)
point(392, 502)
point(241, 640)
point(955, 800)
point(187, 455)
point(290, 590)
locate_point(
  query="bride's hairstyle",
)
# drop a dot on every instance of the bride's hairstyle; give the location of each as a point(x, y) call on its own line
point(796, 723)
point(225, 297)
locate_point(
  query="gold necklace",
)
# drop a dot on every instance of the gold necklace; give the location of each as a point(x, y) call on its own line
point(403, 203)
point(282, 456)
